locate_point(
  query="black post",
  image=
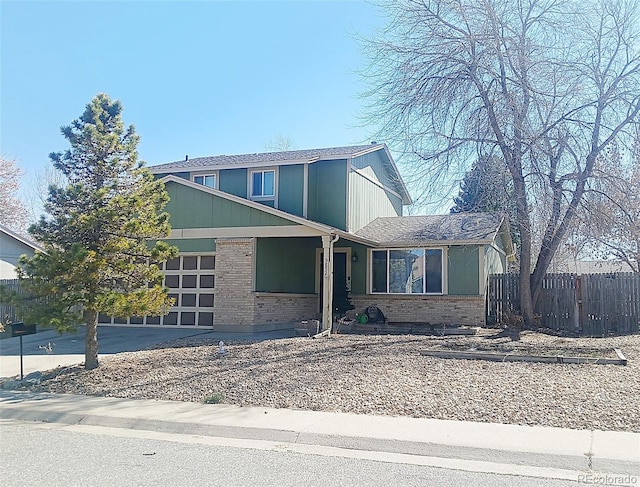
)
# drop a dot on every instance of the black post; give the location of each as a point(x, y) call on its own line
point(21, 369)
point(17, 330)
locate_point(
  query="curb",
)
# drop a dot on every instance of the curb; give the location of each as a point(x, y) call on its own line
point(550, 448)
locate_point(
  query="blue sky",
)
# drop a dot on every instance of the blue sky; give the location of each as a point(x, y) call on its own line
point(196, 78)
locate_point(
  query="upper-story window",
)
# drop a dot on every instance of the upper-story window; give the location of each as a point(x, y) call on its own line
point(263, 183)
point(208, 180)
point(407, 271)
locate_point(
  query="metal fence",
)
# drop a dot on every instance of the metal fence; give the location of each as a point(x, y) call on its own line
point(589, 304)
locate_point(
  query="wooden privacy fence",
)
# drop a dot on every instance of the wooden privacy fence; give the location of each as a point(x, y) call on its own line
point(5, 309)
point(589, 304)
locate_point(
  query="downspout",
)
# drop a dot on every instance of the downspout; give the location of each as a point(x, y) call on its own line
point(327, 284)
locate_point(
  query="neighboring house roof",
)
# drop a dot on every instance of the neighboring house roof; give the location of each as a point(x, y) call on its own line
point(23, 240)
point(458, 228)
point(285, 157)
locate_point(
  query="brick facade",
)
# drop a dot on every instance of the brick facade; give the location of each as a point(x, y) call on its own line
point(435, 310)
point(234, 302)
point(238, 307)
point(285, 308)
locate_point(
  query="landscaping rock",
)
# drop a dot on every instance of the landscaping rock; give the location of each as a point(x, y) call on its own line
point(383, 374)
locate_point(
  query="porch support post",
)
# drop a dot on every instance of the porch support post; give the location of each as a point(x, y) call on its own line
point(327, 284)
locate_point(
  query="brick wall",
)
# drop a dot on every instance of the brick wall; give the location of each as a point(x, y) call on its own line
point(234, 300)
point(285, 308)
point(237, 307)
point(436, 310)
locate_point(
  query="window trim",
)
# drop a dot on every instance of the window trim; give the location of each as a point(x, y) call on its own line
point(216, 178)
point(443, 271)
point(263, 197)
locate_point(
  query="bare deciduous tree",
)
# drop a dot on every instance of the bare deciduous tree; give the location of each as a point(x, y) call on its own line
point(280, 144)
point(44, 179)
point(13, 213)
point(545, 84)
point(609, 224)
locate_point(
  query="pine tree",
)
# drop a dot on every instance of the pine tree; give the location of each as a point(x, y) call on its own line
point(487, 187)
point(99, 232)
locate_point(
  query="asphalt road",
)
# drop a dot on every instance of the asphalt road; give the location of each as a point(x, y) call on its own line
point(39, 454)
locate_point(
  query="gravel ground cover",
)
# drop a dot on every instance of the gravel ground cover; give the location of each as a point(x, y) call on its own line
point(381, 374)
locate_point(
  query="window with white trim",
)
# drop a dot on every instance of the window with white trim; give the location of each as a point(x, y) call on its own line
point(263, 183)
point(208, 180)
point(407, 271)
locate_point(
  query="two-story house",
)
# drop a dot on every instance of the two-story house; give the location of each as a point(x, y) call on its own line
point(265, 239)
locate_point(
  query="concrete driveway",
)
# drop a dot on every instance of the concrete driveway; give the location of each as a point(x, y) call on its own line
point(47, 349)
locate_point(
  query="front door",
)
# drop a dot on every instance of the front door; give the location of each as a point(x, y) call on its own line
point(341, 278)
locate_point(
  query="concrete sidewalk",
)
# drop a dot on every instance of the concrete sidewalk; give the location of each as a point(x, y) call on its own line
point(547, 452)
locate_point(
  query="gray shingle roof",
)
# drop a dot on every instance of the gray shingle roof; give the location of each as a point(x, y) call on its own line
point(308, 155)
point(433, 229)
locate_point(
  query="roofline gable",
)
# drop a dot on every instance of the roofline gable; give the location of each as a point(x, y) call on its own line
point(184, 166)
point(244, 165)
point(406, 197)
point(319, 227)
point(498, 228)
point(503, 228)
point(19, 238)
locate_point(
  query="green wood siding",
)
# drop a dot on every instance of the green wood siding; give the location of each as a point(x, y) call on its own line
point(358, 269)
point(233, 181)
point(495, 262)
point(291, 189)
point(327, 193)
point(183, 175)
point(376, 165)
point(194, 244)
point(192, 208)
point(463, 270)
point(286, 265)
point(368, 201)
point(289, 265)
point(397, 203)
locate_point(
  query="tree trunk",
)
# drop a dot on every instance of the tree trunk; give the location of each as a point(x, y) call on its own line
point(524, 226)
point(91, 340)
point(526, 301)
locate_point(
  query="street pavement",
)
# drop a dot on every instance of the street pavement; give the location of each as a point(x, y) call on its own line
point(543, 452)
point(52, 455)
